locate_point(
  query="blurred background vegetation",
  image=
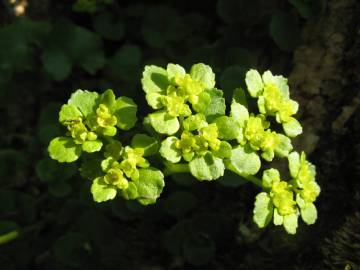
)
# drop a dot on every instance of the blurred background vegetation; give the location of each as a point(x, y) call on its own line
point(50, 48)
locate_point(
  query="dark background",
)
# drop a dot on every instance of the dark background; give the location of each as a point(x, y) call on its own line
point(48, 49)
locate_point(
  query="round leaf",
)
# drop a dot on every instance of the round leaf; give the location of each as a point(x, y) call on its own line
point(169, 151)
point(245, 160)
point(63, 149)
point(254, 83)
point(164, 123)
point(292, 128)
point(92, 146)
point(285, 30)
point(155, 79)
point(105, 26)
point(263, 209)
point(57, 63)
point(204, 74)
point(228, 127)
point(85, 101)
point(207, 167)
point(149, 185)
point(198, 249)
point(101, 191)
point(149, 144)
point(69, 113)
point(284, 147)
point(70, 249)
point(125, 111)
point(179, 203)
point(309, 214)
point(291, 223)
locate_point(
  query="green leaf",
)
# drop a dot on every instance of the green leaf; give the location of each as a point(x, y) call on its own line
point(90, 168)
point(149, 185)
point(239, 96)
point(263, 210)
point(309, 9)
point(309, 213)
point(204, 99)
point(198, 249)
point(59, 189)
point(92, 146)
point(291, 223)
point(270, 176)
point(154, 100)
point(164, 123)
point(93, 62)
point(204, 74)
point(161, 25)
point(131, 192)
point(155, 79)
point(57, 63)
point(194, 122)
point(278, 219)
point(69, 113)
point(217, 105)
point(85, 101)
point(126, 62)
point(207, 167)
point(284, 147)
point(244, 12)
point(107, 163)
point(63, 149)
point(149, 144)
point(294, 163)
point(49, 170)
point(179, 203)
point(101, 191)
point(224, 150)
point(169, 151)
point(244, 160)
point(239, 113)
point(70, 249)
point(82, 43)
point(228, 127)
point(285, 30)
point(108, 98)
point(232, 78)
point(125, 111)
point(105, 25)
point(292, 128)
point(174, 70)
point(254, 83)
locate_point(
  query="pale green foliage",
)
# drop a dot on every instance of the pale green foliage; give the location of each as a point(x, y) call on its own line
point(263, 209)
point(192, 132)
point(176, 92)
point(63, 149)
point(273, 97)
point(293, 198)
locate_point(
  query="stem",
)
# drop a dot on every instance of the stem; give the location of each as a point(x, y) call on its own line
point(171, 168)
point(253, 179)
point(8, 237)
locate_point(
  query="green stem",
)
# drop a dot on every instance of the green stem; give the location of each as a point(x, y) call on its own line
point(171, 168)
point(8, 237)
point(253, 179)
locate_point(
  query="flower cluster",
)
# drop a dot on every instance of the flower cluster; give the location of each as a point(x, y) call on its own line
point(193, 132)
point(284, 201)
